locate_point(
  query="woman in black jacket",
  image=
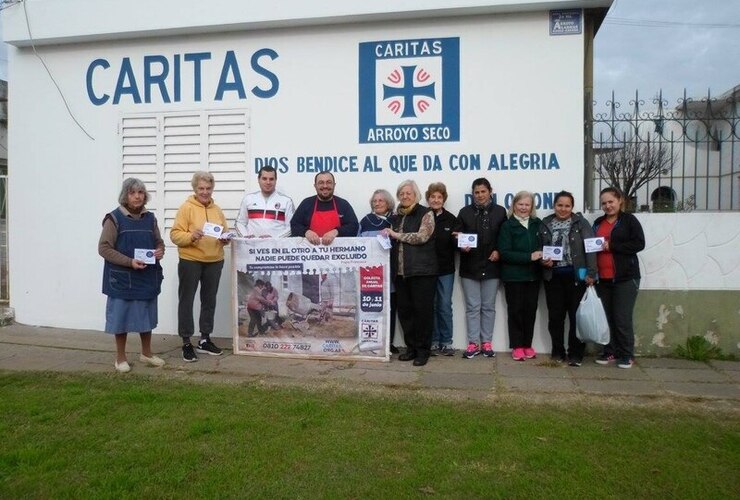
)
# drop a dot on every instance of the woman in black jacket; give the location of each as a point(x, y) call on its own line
point(566, 279)
point(480, 268)
point(445, 244)
point(619, 275)
point(414, 271)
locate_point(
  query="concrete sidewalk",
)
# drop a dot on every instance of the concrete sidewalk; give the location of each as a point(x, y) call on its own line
point(651, 380)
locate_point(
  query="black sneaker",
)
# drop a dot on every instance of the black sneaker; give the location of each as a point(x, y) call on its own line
point(205, 346)
point(446, 350)
point(188, 355)
point(575, 361)
point(625, 362)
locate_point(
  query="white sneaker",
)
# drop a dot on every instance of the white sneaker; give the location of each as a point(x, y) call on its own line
point(154, 361)
point(122, 367)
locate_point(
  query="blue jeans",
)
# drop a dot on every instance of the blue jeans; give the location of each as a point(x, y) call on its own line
point(442, 333)
point(480, 308)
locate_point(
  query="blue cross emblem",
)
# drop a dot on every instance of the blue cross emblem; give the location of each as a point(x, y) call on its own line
point(408, 91)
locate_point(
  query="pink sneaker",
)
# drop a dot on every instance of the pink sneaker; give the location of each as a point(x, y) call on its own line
point(529, 353)
point(487, 350)
point(518, 354)
point(472, 351)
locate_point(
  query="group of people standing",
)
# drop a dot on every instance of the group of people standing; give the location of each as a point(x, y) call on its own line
point(506, 248)
point(494, 247)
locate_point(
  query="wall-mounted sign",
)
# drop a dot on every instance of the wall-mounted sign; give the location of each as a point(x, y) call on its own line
point(409, 90)
point(566, 22)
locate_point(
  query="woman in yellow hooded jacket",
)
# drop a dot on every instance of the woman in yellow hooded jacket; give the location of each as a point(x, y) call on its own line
point(201, 262)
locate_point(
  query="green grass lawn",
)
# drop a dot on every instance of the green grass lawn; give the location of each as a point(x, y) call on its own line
point(106, 436)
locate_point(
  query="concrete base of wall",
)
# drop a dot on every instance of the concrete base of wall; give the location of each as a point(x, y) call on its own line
point(666, 318)
point(7, 315)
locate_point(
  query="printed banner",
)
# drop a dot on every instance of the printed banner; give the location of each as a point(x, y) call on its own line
point(295, 299)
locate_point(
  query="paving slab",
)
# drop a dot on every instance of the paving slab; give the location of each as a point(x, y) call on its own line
point(444, 364)
point(733, 366)
point(707, 390)
point(548, 385)
point(620, 387)
point(474, 381)
point(610, 372)
point(26, 357)
point(687, 364)
point(528, 369)
point(686, 375)
point(374, 376)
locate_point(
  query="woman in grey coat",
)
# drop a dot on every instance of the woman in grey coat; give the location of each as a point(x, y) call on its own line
point(566, 280)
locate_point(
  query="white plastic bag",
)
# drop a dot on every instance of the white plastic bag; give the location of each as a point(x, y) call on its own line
point(591, 322)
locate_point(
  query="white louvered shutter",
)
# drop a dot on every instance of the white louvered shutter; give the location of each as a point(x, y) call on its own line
point(164, 149)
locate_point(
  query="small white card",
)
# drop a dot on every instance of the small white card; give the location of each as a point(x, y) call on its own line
point(552, 253)
point(212, 230)
point(385, 241)
point(467, 240)
point(593, 244)
point(145, 255)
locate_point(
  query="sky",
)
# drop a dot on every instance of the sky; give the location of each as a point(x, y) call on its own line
point(648, 45)
point(674, 44)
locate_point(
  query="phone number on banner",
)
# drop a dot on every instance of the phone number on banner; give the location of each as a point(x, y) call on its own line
point(285, 346)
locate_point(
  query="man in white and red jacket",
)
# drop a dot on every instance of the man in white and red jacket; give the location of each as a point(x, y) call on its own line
point(265, 213)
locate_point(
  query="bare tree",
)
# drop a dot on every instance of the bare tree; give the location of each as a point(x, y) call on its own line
point(633, 165)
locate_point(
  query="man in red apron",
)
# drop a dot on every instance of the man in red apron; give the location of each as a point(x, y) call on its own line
point(323, 217)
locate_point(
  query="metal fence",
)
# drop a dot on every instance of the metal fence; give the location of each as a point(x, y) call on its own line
point(684, 157)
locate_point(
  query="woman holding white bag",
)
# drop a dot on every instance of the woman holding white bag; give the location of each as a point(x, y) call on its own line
point(619, 275)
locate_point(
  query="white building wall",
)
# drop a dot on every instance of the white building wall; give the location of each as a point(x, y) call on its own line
point(512, 74)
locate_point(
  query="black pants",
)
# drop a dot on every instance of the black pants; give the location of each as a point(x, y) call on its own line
point(255, 322)
point(191, 274)
point(394, 307)
point(564, 294)
point(521, 308)
point(415, 299)
point(619, 303)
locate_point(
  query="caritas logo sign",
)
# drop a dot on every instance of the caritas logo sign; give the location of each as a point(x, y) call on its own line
point(409, 91)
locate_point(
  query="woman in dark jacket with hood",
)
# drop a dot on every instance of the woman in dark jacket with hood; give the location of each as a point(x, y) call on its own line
point(566, 280)
point(480, 268)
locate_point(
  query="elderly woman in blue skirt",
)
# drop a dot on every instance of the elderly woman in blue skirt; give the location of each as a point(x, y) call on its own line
point(131, 237)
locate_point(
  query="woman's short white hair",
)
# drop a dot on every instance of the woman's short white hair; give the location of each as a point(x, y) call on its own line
point(200, 175)
point(386, 196)
point(413, 186)
point(520, 195)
